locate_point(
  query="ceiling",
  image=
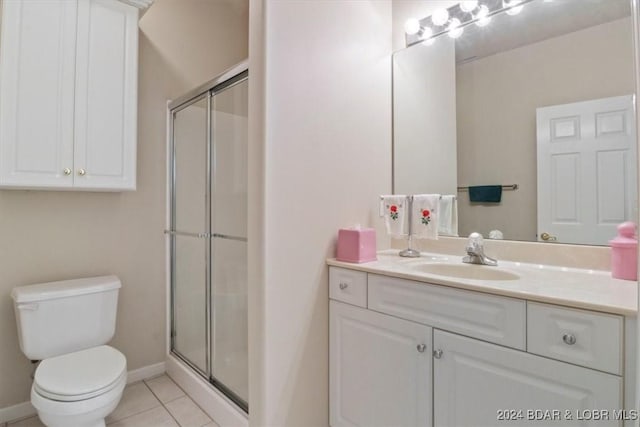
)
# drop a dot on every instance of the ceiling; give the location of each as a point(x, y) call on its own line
point(539, 20)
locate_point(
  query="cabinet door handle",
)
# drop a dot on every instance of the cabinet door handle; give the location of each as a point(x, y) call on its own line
point(67, 171)
point(437, 354)
point(569, 339)
point(343, 285)
point(548, 237)
point(82, 172)
point(421, 348)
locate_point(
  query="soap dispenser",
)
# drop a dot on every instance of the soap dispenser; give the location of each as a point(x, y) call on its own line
point(624, 252)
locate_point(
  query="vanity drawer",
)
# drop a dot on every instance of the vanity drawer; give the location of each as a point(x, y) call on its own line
point(490, 318)
point(582, 337)
point(348, 286)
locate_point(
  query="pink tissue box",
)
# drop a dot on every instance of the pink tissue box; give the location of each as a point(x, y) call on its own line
point(356, 245)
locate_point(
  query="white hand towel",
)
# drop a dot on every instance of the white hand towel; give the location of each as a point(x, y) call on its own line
point(424, 218)
point(448, 222)
point(394, 210)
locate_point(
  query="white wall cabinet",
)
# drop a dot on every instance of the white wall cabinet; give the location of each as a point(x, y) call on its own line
point(377, 378)
point(68, 94)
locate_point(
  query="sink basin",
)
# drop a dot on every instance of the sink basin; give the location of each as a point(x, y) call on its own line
point(466, 271)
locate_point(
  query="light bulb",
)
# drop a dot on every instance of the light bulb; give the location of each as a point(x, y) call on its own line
point(440, 17)
point(482, 16)
point(454, 29)
point(426, 33)
point(482, 12)
point(412, 26)
point(468, 5)
point(484, 21)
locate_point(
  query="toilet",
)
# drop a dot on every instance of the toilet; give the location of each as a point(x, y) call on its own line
point(65, 325)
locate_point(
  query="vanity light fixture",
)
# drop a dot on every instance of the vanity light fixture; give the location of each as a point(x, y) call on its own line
point(440, 17)
point(453, 20)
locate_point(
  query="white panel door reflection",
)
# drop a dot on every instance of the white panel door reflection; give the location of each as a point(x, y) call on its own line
point(587, 175)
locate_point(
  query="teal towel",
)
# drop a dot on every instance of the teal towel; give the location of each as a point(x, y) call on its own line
point(485, 193)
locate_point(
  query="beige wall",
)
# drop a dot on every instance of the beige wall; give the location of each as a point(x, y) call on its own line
point(320, 154)
point(57, 235)
point(497, 97)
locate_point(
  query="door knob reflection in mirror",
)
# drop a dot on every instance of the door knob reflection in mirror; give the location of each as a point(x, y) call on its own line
point(548, 237)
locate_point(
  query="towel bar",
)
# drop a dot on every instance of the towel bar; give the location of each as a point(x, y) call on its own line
point(504, 187)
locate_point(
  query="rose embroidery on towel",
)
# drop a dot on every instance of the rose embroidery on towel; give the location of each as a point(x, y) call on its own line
point(393, 212)
point(426, 216)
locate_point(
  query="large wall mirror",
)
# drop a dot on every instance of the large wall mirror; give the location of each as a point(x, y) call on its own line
point(543, 98)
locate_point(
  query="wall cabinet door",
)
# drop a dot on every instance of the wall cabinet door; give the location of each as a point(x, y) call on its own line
point(380, 369)
point(474, 381)
point(106, 95)
point(37, 78)
point(68, 94)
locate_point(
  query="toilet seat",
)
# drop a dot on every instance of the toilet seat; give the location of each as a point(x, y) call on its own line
point(81, 375)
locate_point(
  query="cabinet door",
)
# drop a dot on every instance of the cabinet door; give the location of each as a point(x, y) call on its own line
point(380, 369)
point(474, 380)
point(106, 96)
point(37, 77)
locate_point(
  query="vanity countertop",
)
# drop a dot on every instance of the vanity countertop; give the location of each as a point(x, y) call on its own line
point(572, 287)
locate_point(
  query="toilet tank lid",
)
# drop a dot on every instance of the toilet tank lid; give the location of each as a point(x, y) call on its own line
point(64, 288)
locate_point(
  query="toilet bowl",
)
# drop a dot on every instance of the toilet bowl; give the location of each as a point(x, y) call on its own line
point(79, 389)
point(66, 325)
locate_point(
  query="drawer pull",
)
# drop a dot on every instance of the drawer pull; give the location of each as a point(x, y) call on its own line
point(569, 339)
point(437, 354)
point(343, 285)
point(421, 348)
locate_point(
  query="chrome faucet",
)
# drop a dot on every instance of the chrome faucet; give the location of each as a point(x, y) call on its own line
point(475, 251)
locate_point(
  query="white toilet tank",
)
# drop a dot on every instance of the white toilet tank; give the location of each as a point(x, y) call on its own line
point(62, 317)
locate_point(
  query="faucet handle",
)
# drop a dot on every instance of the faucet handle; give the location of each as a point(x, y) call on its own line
point(476, 238)
point(475, 242)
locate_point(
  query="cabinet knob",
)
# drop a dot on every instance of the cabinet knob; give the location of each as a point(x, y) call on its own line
point(437, 354)
point(343, 285)
point(421, 348)
point(569, 339)
point(82, 172)
point(67, 171)
point(548, 237)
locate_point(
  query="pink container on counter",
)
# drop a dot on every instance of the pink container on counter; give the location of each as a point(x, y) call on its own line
point(356, 245)
point(624, 252)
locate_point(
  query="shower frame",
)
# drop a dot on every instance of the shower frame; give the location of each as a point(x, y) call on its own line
point(226, 80)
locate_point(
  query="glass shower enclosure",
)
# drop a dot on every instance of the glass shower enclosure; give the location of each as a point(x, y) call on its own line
point(208, 232)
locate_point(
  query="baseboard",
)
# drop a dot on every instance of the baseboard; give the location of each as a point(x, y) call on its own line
point(217, 406)
point(25, 409)
point(146, 372)
point(16, 412)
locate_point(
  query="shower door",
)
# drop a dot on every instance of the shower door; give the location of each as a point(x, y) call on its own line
point(208, 234)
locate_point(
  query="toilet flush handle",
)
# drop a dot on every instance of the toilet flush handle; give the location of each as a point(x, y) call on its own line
point(30, 307)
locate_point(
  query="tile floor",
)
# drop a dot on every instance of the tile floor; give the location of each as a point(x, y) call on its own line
point(157, 402)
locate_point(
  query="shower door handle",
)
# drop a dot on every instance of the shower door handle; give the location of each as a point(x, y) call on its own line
point(185, 233)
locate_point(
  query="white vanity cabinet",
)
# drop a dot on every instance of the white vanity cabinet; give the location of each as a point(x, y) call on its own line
point(488, 360)
point(479, 384)
point(381, 369)
point(68, 94)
